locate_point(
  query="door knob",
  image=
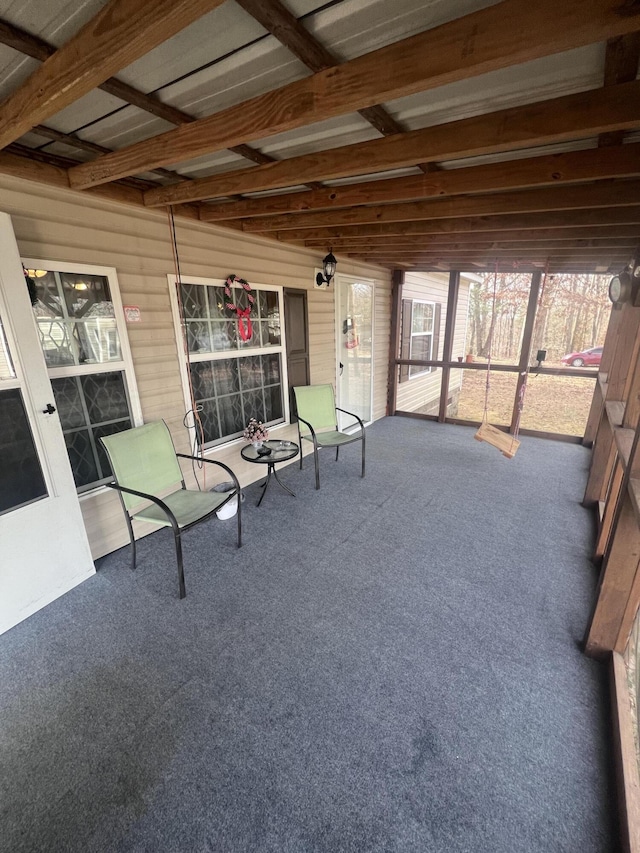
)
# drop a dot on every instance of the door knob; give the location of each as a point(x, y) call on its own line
point(49, 410)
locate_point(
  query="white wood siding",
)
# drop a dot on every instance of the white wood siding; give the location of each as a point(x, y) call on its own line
point(419, 391)
point(60, 225)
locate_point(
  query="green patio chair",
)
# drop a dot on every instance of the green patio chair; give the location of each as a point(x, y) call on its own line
point(146, 469)
point(316, 410)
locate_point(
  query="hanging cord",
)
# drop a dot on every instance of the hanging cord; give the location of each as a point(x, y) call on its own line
point(485, 416)
point(525, 373)
point(194, 412)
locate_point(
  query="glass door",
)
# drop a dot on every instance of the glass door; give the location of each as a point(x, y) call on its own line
point(44, 550)
point(354, 337)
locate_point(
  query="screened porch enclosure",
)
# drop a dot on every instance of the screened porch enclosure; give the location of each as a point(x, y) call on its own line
point(509, 349)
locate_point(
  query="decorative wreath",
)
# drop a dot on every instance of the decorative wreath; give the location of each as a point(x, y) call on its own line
point(243, 314)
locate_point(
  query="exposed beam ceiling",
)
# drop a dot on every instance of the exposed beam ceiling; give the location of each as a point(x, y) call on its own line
point(577, 207)
point(457, 50)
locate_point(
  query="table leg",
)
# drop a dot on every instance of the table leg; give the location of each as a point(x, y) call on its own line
point(266, 483)
point(286, 488)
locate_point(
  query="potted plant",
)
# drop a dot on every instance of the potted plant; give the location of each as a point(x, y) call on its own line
point(255, 432)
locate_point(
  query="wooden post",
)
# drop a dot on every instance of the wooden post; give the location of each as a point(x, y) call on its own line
point(525, 350)
point(397, 281)
point(618, 574)
point(449, 331)
point(597, 403)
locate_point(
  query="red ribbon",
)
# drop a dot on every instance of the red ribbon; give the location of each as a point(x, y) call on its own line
point(244, 323)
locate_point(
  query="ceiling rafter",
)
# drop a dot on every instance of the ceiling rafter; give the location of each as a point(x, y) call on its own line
point(120, 33)
point(594, 232)
point(588, 196)
point(609, 216)
point(571, 167)
point(457, 50)
point(621, 66)
point(569, 117)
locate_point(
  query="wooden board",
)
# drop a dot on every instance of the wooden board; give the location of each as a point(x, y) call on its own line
point(506, 444)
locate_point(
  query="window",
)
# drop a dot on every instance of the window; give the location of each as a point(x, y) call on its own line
point(84, 342)
point(232, 379)
point(419, 338)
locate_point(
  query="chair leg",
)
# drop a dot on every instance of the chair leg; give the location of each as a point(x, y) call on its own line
point(178, 541)
point(317, 464)
point(239, 514)
point(337, 451)
point(362, 456)
point(133, 541)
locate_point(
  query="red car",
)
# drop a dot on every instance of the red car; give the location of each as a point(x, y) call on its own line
point(586, 358)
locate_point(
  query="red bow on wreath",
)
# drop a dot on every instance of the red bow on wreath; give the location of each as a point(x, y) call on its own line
point(243, 315)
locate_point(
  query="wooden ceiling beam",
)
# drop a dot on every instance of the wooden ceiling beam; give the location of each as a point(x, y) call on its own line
point(607, 216)
point(119, 34)
point(290, 32)
point(577, 196)
point(384, 246)
point(565, 235)
point(570, 117)
point(620, 66)
point(456, 50)
point(570, 167)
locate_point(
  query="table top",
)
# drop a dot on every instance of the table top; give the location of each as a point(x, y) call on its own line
point(281, 451)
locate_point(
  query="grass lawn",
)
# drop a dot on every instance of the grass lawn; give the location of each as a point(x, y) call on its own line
point(551, 404)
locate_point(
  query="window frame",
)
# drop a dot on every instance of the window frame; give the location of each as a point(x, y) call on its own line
point(185, 358)
point(123, 365)
point(422, 371)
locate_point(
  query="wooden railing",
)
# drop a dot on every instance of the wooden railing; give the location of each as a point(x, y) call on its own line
point(613, 487)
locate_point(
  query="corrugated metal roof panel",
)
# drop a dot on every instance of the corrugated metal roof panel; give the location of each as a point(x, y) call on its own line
point(215, 35)
point(539, 80)
point(253, 71)
point(54, 21)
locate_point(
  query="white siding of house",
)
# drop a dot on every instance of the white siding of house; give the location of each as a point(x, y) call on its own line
point(60, 225)
point(420, 391)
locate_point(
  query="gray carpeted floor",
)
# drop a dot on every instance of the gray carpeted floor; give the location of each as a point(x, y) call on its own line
point(388, 664)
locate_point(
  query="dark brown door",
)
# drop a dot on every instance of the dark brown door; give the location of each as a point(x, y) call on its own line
point(297, 332)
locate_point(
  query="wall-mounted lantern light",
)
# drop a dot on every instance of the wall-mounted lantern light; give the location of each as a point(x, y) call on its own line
point(329, 267)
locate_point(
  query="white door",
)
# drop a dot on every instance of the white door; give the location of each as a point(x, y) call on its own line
point(44, 550)
point(354, 336)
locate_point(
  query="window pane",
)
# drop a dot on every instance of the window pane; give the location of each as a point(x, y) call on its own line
point(90, 407)
point(21, 479)
point(76, 319)
point(420, 349)
point(198, 336)
point(194, 301)
point(230, 391)
point(55, 340)
point(422, 317)
point(105, 397)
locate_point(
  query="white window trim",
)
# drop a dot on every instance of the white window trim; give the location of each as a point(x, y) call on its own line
point(425, 371)
point(125, 363)
point(185, 358)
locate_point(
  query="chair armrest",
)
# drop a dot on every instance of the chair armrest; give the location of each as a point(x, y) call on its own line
point(146, 497)
point(212, 462)
point(352, 415)
point(311, 429)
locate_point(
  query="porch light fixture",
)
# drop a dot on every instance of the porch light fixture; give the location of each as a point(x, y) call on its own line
point(329, 266)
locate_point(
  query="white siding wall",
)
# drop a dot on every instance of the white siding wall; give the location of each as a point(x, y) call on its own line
point(55, 224)
point(417, 392)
